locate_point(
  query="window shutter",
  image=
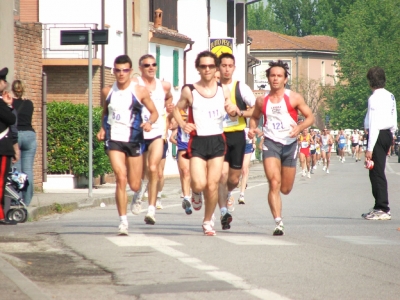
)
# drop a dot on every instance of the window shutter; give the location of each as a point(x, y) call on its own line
point(158, 62)
point(176, 68)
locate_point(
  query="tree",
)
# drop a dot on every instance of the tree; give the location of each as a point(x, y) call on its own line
point(370, 37)
point(261, 18)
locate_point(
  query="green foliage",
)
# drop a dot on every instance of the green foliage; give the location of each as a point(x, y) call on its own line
point(67, 140)
point(370, 38)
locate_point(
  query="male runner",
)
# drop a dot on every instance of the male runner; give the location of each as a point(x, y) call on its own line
point(242, 96)
point(122, 130)
point(305, 142)
point(326, 147)
point(280, 130)
point(355, 137)
point(160, 93)
point(342, 142)
point(207, 102)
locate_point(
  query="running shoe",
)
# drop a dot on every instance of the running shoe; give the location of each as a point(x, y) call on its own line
point(323, 168)
point(340, 158)
point(279, 229)
point(315, 167)
point(327, 171)
point(343, 160)
point(241, 199)
point(226, 219)
point(303, 173)
point(208, 229)
point(150, 218)
point(197, 201)
point(308, 175)
point(136, 205)
point(377, 214)
point(158, 204)
point(230, 203)
point(187, 206)
point(123, 228)
point(146, 194)
point(312, 171)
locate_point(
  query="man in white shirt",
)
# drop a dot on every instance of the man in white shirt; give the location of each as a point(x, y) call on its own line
point(381, 122)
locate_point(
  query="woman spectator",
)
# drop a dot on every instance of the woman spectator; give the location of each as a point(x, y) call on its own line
point(26, 137)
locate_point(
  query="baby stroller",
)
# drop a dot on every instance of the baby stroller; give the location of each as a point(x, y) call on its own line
point(14, 205)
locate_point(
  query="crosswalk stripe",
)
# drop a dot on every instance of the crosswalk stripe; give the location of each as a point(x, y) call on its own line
point(364, 240)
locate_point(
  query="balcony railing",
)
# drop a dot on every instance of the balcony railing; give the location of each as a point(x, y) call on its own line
point(51, 38)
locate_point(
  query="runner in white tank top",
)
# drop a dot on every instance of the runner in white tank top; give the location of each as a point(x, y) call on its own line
point(153, 146)
point(122, 129)
point(207, 102)
point(280, 130)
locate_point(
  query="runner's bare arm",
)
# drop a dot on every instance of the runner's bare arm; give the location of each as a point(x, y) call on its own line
point(168, 96)
point(184, 102)
point(144, 96)
point(301, 105)
point(230, 108)
point(255, 118)
point(172, 138)
point(102, 132)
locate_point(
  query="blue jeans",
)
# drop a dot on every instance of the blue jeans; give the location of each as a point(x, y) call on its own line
point(27, 146)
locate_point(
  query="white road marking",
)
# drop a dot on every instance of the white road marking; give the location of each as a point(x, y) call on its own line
point(364, 240)
point(162, 245)
point(256, 240)
point(251, 187)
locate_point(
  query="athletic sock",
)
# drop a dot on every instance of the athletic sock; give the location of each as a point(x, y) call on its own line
point(186, 198)
point(224, 210)
point(241, 194)
point(278, 219)
point(159, 195)
point(124, 219)
point(151, 208)
point(228, 195)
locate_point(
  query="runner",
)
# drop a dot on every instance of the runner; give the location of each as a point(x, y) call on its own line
point(313, 151)
point(161, 166)
point(153, 146)
point(242, 96)
point(355, 137)
point(342, 142)
point(122, 129)
point(206, 101)
point(360, 148)
point(305, 142)
point(326, 148)
point(280, 129)
point(318, 149)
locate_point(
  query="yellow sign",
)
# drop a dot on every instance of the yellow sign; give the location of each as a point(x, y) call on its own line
point(219, 46)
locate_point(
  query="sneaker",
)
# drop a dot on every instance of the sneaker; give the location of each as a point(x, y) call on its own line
point(187, 206)
point(226, 219)
point(303, 173)
point(208, 229)
point(158, 204)
point(315, 167)
point(150, 218)
point(279, 229)
point(146, 194)
point(312, 171)
point(343, 160)
point(377, 214)
point(340, 158)
point(136, 205)
point(308, 175)
point(327, 171)
point(197, 201)
point(241, 199)
point(123, 229)
point(230, 204)
point(323, 168)
point(212, 222)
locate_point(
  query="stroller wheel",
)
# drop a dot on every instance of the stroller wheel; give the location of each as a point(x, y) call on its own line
point(26, 215)
point(9, 214)
point(19, 215)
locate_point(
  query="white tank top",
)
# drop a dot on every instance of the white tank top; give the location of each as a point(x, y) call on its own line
point(158, 97)
point(356, 137)
point(278, 119)
point(207, 113)
point(324, 139)
point(124, 115)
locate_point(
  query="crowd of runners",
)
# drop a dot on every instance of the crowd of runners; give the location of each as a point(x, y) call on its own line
point(215, 126)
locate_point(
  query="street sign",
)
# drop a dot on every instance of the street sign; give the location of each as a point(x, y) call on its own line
point(81, 37)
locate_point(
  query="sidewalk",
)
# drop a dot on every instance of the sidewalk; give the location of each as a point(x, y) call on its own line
point(58, 201)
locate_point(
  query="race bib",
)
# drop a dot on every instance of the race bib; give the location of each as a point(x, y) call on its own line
point(275, 125)
point(228, 122)
point(184, 136)
point(312, 147)
point(304, 144)
point(342, 141)
point(118, 117)
point(365, 142)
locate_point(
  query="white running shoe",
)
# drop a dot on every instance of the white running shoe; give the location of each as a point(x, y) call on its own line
point(136, 206)
point(123, 228)
point(308, 175)
point(197, 201)
point(150, 218)
point(327, 171)
point(315, 167)
point(230, 203)
point(340, 158)
point(279, 229)
point(343, 160)
point(303, 173)
point(323, 168)
point(158, 204)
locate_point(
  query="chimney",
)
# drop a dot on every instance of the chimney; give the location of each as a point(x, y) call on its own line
point(157, 18)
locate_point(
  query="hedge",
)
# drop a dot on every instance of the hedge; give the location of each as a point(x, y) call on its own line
point(68, 140)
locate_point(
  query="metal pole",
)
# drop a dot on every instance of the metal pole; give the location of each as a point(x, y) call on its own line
point(44, 127)
point(90, 116)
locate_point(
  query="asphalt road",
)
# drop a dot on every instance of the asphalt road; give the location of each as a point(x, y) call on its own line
point(328, 251)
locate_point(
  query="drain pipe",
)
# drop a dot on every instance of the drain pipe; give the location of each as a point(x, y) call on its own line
point(44, 127)
point(185, 62)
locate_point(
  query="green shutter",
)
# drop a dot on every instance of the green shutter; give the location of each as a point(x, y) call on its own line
point(158, 62)
point(176, 68)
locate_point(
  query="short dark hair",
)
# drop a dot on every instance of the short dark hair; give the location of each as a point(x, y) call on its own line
point(376, 78)
point(205, 54)
point(143, 57)
point(226, 55)
point(278, 63)
point(123, 59)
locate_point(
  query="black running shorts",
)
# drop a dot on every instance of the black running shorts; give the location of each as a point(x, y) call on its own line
point(286, 153)
point(235, 147)
point(206, 147)
point(130, 149)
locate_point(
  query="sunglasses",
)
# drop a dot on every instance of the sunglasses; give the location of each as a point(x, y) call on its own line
point(117, 71)
point(148, 65)
point(203, 67)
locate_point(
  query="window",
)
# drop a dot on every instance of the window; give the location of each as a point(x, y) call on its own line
point(133, 16)
point(230, 18)
point(158, 61)
point(176, 68)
